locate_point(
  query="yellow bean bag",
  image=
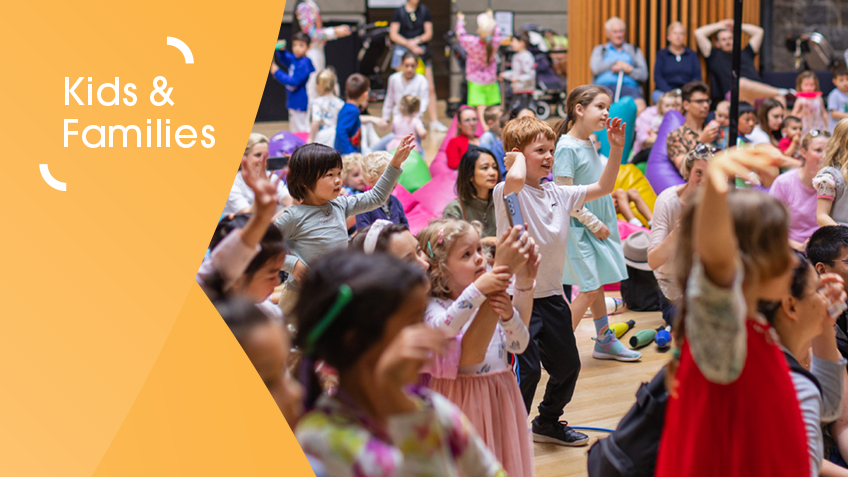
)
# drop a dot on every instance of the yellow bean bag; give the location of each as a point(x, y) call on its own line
point(630, 177)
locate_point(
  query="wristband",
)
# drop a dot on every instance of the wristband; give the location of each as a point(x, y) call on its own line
point(519, 291)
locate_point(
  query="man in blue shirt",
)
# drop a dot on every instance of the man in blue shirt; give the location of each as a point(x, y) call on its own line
point(617, 56)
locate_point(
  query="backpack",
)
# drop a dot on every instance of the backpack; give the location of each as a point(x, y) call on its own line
point(640, 290)
point(631, 450)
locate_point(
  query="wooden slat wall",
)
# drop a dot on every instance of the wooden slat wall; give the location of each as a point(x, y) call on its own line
point(647, 24)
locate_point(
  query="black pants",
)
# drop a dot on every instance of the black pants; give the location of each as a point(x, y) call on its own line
point(552, 344)
point(669, 309)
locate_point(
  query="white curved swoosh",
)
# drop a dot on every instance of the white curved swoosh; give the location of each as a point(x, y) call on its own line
point(45, 174)
point(184, 49)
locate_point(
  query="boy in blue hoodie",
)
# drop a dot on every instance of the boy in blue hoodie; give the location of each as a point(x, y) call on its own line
point(349, 124)
point(298, 68)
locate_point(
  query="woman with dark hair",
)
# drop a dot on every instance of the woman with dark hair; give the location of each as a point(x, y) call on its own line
point(478, 174)
point(770, 120)
point(410, 30)
point(309, 20)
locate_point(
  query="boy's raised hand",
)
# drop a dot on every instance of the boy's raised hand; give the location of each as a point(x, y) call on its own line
point(615, 132)
point(511, 157)
point(407, 144)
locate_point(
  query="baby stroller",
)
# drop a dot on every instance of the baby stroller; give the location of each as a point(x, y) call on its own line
point(550, 92)
point(374, 55)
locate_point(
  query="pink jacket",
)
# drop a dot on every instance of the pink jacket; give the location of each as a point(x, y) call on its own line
point(476, 69)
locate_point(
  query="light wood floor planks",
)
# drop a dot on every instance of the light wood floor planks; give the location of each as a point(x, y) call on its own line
point(605, 389)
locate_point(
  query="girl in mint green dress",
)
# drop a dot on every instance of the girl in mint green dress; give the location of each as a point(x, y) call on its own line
point(594, 256)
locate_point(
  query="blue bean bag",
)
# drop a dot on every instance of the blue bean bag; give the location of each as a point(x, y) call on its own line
point(624, 109)
point(661, 172)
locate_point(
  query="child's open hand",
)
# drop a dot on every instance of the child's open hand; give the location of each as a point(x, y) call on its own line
point(762, 160)
point(265, 192)
point(514, 248)
point(501, 303)
point(407, 144)
point(615, 132)
point(495, 281)
point(274, 67)
point(511, 157)
point(528, 272)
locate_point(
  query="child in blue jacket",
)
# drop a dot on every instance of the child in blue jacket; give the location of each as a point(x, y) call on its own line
point(298, 68)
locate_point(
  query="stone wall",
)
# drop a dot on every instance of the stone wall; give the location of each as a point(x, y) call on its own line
point(793, 17)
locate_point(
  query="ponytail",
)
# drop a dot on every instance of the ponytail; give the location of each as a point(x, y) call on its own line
point(582, 95)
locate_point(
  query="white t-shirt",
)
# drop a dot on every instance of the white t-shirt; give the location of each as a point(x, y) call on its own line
point(836, 101)
point(418, 86)
point(547, 211)
point(241, 196)
point(666, 212)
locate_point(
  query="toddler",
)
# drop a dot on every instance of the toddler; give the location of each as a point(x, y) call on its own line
point(373, 165)
point(325, 110)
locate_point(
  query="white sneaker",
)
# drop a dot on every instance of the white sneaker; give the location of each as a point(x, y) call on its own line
point(436, 126)
point(636, 222)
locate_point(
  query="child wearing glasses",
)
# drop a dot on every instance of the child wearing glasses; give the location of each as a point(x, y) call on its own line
point(466, 135)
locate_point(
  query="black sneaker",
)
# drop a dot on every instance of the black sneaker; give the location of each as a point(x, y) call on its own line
point(557, 433)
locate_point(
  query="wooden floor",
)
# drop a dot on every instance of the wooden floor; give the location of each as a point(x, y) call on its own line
point(605, 389)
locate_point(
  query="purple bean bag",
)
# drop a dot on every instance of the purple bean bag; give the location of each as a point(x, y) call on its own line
point(661, 172)
point(283, 144)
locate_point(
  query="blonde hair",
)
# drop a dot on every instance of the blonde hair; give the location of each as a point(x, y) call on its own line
point(349, 163)
point(409, 105)
point(836, 153)
point(688, 163)
point(325, 82)
point(373, 165)
point(437, 241)
point(254, 139)
point(486, 27)
point(674, 25)
point(519, 133)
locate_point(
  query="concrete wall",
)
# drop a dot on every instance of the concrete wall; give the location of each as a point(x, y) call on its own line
point(793, 17)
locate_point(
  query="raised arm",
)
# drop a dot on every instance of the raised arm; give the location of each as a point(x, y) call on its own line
point(756, 36)
point(606, 184)
point(703, 34)
point(378, 195)
point(516, 164)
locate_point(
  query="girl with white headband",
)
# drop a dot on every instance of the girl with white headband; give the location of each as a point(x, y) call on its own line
point(393, 239)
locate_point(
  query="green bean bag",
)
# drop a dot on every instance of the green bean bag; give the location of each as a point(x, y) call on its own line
point(416, 173)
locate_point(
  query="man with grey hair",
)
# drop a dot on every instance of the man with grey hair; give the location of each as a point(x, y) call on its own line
point(617, 56)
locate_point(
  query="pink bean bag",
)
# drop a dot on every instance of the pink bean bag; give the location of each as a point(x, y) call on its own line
point(661, 172)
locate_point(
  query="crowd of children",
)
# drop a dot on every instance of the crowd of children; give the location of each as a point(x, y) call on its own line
point(437, 341)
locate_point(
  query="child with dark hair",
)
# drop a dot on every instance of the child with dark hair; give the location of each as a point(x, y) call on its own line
point(362, 315)
point(247, 252)
point(476, 177)
point(837, 100)
point(827, 249)
point(791, 140)
point(317, 226)
point(747, 122)
point(294, 77)
point(492, 139)
point(348, 124)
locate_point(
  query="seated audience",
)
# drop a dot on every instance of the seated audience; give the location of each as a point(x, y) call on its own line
point(477, 175)
point(241, 195)
point(616, 56)
point(769, 123)
point(467, 122)
point(719, 56)
point(696, 105)
point(676, 64)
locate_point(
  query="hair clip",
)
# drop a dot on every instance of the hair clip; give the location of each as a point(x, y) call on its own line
point(430, 250)
point(441, 236)
point(343, 297)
